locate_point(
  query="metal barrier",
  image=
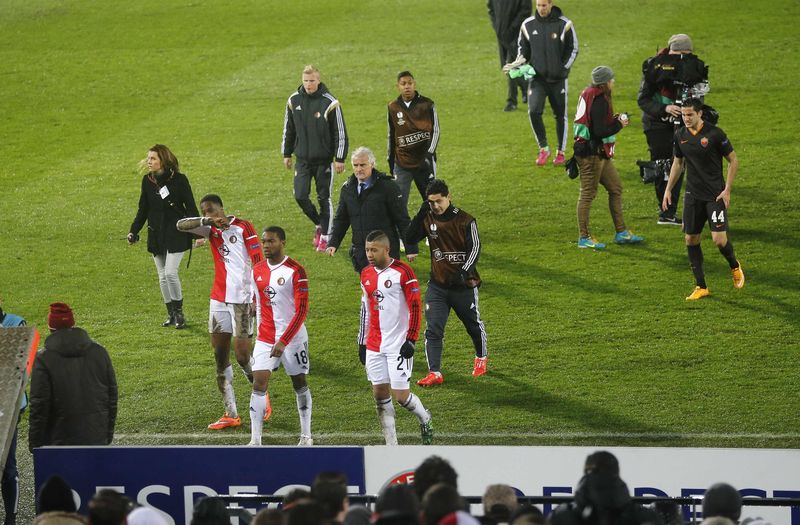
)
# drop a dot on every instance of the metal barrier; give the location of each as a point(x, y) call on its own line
point(234, 500)
point(14, 349)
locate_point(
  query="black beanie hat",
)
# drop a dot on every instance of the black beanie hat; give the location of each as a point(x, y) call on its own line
point(55, 494)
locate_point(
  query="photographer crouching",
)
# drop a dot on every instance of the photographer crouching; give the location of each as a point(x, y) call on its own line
point(670, 77)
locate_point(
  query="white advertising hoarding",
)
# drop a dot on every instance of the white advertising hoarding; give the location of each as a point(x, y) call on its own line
point(648, 471)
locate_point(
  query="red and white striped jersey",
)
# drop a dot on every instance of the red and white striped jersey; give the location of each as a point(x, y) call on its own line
point(282, 301)
point(236, 250)
point(390, 307)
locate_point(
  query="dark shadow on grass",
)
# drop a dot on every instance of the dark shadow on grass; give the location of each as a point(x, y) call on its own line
point(516, 394)
point(573, 279)
point(787, 238)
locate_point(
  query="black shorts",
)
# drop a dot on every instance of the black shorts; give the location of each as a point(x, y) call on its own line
point(697, 212)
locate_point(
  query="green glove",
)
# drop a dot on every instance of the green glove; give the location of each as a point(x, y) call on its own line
point(526, 71)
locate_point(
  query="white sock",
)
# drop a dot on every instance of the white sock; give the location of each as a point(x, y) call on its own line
point(228, 396)
point(386, 417)
point(414, 405)
point(258, 407)
point(304, 404)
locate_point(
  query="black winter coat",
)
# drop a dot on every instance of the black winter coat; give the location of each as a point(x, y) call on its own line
point(603, 499)
point(162, 214)
point(379, 207)
point(73, 392)
point(549, 44)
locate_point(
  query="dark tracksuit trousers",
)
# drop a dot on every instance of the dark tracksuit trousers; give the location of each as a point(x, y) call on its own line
point(438, 302)
point(558, 95)
point(322, 175)
point(659, 142)
point(10, 483)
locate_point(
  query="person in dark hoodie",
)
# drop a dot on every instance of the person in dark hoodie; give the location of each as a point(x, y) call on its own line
point(602, 498)
point(314, 132)
point(73, 387)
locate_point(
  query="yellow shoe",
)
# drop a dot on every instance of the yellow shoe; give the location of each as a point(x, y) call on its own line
point(698, 293)
point(224, 422)
point(738, 276)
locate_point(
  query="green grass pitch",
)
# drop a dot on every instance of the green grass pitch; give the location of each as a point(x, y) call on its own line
point(585, 348)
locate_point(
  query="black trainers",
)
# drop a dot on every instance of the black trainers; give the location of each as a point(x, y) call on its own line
point(510, 106)
point(675, 221)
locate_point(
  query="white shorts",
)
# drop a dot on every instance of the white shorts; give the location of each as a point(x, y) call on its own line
point(389, 368)
point(294, 358)
point(230, 318)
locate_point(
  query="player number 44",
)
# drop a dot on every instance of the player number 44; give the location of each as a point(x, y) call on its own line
point(718, 217)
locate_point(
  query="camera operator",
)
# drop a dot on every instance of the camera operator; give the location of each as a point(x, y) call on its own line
point(669, 78)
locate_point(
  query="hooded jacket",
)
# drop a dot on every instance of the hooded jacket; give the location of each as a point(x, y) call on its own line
point(73, 392)
point(549, 44)
point(603, 499)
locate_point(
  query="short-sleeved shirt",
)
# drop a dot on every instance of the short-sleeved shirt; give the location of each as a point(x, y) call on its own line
point(703, 151)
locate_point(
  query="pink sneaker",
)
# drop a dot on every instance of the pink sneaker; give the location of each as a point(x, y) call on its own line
point(559, 160)
point(543, 156)
point(317, 235)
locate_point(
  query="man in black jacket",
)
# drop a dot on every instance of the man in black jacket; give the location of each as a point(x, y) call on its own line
point(667, 78)
point(547, 41)
point(369, 200)
point(314, 131)
point(73, 387)
point(507, 17)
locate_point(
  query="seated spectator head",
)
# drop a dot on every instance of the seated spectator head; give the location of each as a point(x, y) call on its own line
point(146, 516)
point(601, 461)
point(432, 471)
point(210, 511)
point(499, 502)
point(330, 491)
point(60, 317)
point(293, 497)
point(55, 494)
point(722, 500)
point(397, 505)
point(670, 512)
point(439, 501)
point(527, 515)
point(269, 517)
point(109, 507)
point(357, 515)
point(306, 513)
point(58, 517)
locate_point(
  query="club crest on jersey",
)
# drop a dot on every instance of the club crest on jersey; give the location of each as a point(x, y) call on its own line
point(232, 239)
point(388, 283)
point(316, 115)
point(704, 142)
point(554, 35)
point(281, 280)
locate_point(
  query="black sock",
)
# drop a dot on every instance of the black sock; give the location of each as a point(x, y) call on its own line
point(696, 264)
point(727, 252)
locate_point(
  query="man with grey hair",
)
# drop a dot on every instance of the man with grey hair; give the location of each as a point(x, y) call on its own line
point(369, 200)
point(667, 78)
point(314, 131)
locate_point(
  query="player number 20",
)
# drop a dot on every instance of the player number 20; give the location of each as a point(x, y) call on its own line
point(718, 217)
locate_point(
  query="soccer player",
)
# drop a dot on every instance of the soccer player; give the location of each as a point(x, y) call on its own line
point(700, 146)
point(236, 250)
point(390, 317)
point(455, 248)
point(282, 302)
